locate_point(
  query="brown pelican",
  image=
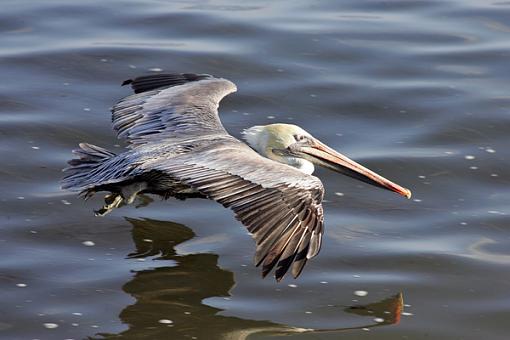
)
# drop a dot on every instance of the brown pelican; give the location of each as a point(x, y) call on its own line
point(179, 148)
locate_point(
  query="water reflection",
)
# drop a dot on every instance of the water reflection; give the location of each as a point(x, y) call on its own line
point(176, 292)
point(385, 312)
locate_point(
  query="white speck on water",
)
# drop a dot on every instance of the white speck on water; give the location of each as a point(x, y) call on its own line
point(407, 313)
point(147, 240)
point(270, 117)
point(422, 177)
point(104, 60)
point(379, 320)
point(494, 175)
point(416, 200)
point(35, 147)
point(78, 314)
point(308, 312)
point(141, 260)
point(20, 197)
point(356, 276)
point(67, 84)
point(246, 113)
point(313, 95)
point(65, 202)
point(449, 152)
point(339, 194)
point(155, 69)
point(324, 282)
point(490, 150)
point(74, 324)
point(187, 313)
point(21, 285)
point(50, 325)
point(132, 66)
point(463, 223)
point(94, 326)
point(280, 70)
point(406, 305)
point(469, 157)
point(473, 167)
point(86, 109)
point(226, 298)
point(292, 285)
point(165, 321)
point(244, 265)
point(366, 329)
point(360, 293)
point(88, 243)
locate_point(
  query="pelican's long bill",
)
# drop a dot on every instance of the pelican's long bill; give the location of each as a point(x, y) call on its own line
point(323, 155)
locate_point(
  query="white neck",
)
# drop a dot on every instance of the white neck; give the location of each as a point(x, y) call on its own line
point(257, 138)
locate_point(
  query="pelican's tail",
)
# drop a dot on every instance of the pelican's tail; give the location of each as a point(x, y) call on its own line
point(81, 169)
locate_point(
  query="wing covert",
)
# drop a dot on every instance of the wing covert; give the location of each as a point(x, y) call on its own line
point(168, 106)
point(280, 206)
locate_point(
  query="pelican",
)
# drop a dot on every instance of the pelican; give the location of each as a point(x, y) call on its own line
point(177, 147)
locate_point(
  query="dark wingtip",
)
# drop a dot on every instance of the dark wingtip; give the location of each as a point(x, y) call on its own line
point(265, 272)
point(160, 80)
point(127, 82)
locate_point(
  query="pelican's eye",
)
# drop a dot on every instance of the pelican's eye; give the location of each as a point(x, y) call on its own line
point(299, 138)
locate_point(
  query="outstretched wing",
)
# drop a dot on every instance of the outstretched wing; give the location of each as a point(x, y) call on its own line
point(167, 106)
point(280, 206)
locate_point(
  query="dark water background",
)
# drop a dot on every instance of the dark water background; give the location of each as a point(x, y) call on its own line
point(416, 90)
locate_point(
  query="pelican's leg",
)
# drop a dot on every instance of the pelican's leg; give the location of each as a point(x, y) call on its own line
point(126, 196)
point(112, 201)
point(129, 192)
point(142, 201)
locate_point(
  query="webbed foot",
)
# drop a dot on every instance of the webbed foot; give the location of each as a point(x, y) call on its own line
point(112, 201)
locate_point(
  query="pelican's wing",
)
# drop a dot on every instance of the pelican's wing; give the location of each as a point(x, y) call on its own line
point(280, 206)
point(167, 106)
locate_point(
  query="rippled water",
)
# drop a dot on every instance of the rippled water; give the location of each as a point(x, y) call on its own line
point(416, 90)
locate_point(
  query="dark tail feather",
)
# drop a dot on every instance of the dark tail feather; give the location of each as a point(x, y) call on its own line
point(79, 169)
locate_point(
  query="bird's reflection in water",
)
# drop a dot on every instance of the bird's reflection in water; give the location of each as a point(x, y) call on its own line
point(385, 312)
point(176, 292)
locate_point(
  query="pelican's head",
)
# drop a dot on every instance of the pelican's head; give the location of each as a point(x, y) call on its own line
point(291, 145)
